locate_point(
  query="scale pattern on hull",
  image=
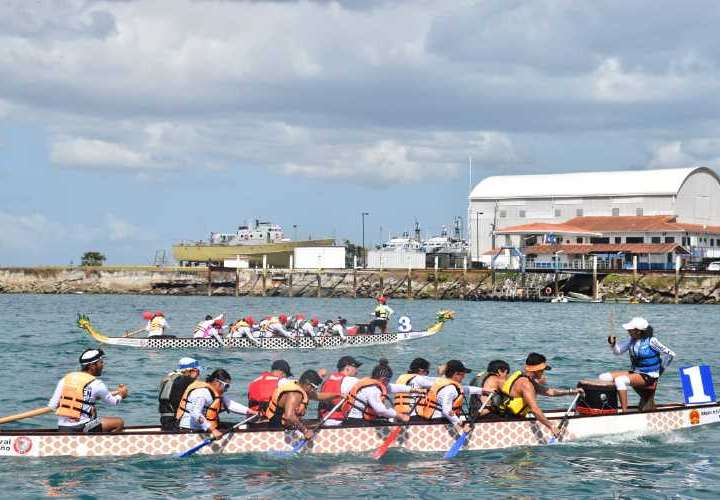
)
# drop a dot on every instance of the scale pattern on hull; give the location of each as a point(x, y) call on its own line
point(334, 342)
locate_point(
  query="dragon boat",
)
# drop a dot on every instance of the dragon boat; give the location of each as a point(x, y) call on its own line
point(268, 343)
point(487, 434)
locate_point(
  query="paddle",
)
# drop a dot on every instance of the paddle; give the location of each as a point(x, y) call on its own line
point(383, 448)
point(206, 442)
point(564, 422)
point(460, 441)
point(134, 332)
point(26, 414)
point(297, 447)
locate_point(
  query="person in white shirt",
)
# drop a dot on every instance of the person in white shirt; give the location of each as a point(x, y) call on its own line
point(339, 328)
point(368, 399)
point(210, 327)
point(340, 382)
point(157, 325)
point(76, 394)
point(308, 328)
point(202, 403)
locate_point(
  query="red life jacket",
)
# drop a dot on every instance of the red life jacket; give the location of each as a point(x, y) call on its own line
point(261, 390)
point(332, 384)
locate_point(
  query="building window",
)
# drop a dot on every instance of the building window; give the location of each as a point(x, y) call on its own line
point(521, 213)
point(634, 239)
point(615, 212)
point(579, 240)
point(655, 239)
point(639, 211)
point(669, 239)
point(599, 240)
point(502, 214)
point(618, 240)
point(685, 241)
point(558, 212)
point(579, 212)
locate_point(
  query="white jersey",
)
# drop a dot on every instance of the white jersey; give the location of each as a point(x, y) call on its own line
point(446, 396)
point(243, 331)
point(156, 326)
point(307, 329)
point(198, 402)
point(372, 396)
point(95, 390)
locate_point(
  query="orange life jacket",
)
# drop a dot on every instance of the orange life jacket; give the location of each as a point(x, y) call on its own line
point(261, 390)
point(74, 403)
point(333, 384)
point(404, 402)
point(275, 412)
point(428, 406)
point(211, 413)
point(352, 400)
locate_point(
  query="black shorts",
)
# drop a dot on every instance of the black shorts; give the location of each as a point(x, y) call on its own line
point(90, 427)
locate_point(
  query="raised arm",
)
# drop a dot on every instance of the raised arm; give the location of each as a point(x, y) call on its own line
point(667, 354)
point(528, 395)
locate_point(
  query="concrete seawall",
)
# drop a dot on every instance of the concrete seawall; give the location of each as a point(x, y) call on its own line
point(417, 284)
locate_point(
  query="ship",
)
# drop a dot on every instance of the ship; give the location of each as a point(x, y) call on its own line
point(250, 244)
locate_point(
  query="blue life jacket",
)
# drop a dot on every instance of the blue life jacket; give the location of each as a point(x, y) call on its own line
point(647, 359)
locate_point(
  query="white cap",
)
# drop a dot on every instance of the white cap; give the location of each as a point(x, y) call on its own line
point(187, 363)
point(636, 323)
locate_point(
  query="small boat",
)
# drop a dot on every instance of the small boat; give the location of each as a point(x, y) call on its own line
point(581, 297)
point(559, 300)
point(488, 434)
point(268, 343)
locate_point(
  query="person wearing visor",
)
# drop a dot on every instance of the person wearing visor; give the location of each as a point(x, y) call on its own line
point(76, 394)
point(648, 358)
point(172, 388)
point(520, 391)
point(445, 398)
point(202, 402)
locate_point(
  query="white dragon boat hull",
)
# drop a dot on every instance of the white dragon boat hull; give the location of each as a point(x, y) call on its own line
point(416, 437)
point(272, 343)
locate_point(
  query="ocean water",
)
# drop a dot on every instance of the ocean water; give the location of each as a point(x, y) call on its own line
point(41, 343)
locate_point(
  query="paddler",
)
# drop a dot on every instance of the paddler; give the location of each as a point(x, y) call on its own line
point(289, 402)
point(416, 377)
point(648, 358)
point(243, 328)
point(308, 328)
point(157, 325)
point(202, 402)
point(210, 327)
point(341, 382)
point(521, 388)
point(445, 399)
point(172, 388)
point(381, 315)
point(368, 400)
point(275, 327)
point(491, 380)
point(261, 389)
point(76, 394)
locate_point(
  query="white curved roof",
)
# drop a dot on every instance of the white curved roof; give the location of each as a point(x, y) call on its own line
point(582, 184)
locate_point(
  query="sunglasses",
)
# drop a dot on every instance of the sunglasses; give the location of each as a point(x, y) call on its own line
point(226, 385)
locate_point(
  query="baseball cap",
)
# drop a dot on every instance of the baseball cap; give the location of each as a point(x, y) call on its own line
point(281, 365)
point(454, 366)
point(188, 363)
point(348, 361)
point(636, 323)
point(536, 362)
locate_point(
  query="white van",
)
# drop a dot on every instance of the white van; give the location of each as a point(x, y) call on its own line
point(714, 266)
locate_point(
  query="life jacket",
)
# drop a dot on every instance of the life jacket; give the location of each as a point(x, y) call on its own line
point(203, 328)
point(382, 312)
point(276, 413)
point(647, 359)
point(261, 390)
point(430, 403)
point(332, 384)
point(509, 404)
point(267, 323)
point(352, 401)
point(211, 413)
point(74, 401)
point(404, 402)
point(168, 400)
point(157, 323)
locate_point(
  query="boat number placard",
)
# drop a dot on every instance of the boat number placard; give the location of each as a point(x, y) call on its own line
point(697, 384)
point(404, 324)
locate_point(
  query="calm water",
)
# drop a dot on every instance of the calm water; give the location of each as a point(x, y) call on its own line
point(41, 344)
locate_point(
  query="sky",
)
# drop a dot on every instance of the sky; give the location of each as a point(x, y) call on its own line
point(127, 126)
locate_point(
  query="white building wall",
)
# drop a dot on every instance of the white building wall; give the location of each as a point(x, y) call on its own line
point(319, 258)
point(698, 200)
point(396, 259)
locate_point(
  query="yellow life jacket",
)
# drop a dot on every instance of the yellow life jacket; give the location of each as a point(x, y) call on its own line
point(382, 312)
point(274, 411)
point(352, 400)
point(157, 323)
point(211, 413)
point(267, 323)
point(403, 402)
point(428, 406)
point(516, 406)
point(74, 403)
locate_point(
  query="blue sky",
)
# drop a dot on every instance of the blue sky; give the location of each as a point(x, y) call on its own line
point(126, 126)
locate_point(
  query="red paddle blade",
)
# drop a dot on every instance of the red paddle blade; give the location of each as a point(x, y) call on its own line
point(377, 454)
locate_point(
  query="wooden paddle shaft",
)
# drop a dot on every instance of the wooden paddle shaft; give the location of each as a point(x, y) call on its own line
point(27, 414)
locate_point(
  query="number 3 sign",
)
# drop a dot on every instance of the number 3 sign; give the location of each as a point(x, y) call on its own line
point(404, 324)
point(697, 384)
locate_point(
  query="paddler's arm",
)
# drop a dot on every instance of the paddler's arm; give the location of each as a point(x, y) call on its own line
point(326, 396)
point(553, 393)
point(55, 399)
point(528, 394)
point(101, 391)
point(375, 401)
point(667, 354)
point(290, 404)
point(235, 407)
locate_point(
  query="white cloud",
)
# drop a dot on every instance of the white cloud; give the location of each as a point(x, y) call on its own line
point(83, 152)
point(120, 230)
point(27, 232)
point(689, 152)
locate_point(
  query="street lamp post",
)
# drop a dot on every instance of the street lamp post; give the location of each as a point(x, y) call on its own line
point(295, 232)
point(364, 260)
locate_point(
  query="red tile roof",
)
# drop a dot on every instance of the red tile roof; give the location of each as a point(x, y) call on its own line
point(547, 228)
point(609, 224)
point(634, 248)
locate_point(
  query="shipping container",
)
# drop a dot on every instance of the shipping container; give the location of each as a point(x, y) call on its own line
point(319, 258)
point(395, 259)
